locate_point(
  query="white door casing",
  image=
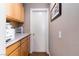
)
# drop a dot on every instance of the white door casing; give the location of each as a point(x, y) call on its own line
point(39, 29)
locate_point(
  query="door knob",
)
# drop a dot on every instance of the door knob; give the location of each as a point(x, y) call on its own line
point(33, 34)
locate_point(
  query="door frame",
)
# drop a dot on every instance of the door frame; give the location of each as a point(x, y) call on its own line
point(47, 44)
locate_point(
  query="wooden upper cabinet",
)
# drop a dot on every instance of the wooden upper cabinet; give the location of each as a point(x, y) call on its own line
point(10, 10)
point(19, 12)
point(15, 11)
point(22, 12)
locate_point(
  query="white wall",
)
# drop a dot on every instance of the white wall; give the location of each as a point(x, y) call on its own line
point(68, 24)
point(2, 29)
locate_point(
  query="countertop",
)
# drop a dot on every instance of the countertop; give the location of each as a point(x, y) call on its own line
point(18, 37)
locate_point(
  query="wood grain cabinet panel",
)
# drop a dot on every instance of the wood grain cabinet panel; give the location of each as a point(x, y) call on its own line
point(20, 48)
point(18, 12)
point(15, 12)
point(22, 13)
point(24, 40)
point(15, 52)
point(24, 49)
point(10, 10)
point(25, 46)
point(11, 48)
point(28, 42)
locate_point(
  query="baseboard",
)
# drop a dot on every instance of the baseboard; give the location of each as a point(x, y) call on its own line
point(48, 53)
point(39, 54)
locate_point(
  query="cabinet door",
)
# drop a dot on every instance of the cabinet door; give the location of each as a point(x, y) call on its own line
point(28, 42)
point(15, 11)
point(25, 46)
point(24, 49)
point(16, 52)
point(12, 48)
point(18, 12)
point(10, 10)
point(22, 13)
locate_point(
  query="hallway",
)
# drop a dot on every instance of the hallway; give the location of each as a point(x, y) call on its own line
point(42, 29)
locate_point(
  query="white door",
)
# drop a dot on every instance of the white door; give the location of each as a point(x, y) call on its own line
point(39, 30)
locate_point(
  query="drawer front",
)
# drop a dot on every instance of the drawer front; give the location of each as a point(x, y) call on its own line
point(23, 40)
point(16, 52)
point(11, 48)
point(24, 49)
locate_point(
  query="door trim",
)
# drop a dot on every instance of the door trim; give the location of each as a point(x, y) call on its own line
point(42, 9)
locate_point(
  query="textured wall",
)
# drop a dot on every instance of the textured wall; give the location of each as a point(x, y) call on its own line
point(68, 24)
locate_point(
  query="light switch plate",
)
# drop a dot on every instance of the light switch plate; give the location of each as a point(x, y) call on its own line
point(59, 33)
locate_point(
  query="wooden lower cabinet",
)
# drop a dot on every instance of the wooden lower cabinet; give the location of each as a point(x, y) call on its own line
point(12, 48)
point(28, 42)
point(16, 52)
point(24, 49)
point(20, 48)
